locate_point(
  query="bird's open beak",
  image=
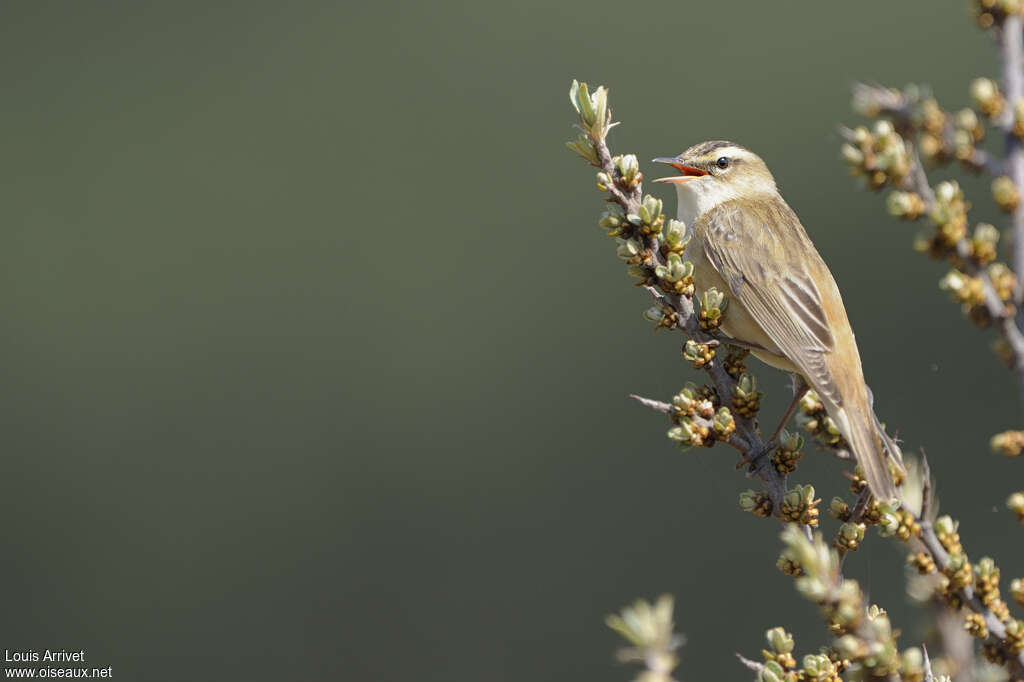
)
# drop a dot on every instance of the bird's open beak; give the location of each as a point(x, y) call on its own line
point(688, 172)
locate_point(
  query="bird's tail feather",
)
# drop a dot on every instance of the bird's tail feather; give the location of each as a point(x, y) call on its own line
point(870, 444)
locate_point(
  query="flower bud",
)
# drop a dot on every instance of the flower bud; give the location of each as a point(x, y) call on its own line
point(1005, 193)
point(987, 97)
point(779, 640)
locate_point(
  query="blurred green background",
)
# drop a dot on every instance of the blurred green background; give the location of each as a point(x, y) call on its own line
point(316, 361)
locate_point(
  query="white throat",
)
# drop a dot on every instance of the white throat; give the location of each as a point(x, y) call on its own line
point(697, 197)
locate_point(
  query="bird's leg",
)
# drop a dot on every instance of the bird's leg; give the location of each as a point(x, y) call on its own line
point(800, 388)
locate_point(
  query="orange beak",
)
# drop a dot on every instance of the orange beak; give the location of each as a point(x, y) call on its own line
point(688, 172)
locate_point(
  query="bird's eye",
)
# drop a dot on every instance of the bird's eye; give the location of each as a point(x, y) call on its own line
point(723, 162)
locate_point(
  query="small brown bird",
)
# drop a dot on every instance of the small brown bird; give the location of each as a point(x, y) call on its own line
point(748, 243)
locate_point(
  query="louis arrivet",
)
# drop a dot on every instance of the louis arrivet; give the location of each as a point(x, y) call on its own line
point(48, 655)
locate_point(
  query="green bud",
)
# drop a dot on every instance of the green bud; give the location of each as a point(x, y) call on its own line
point(852, 155)
point(686, 398)
point(675, 235)
point(883, 128)
point(637, 271)
point(791, 441)
point(652, 208)
point(852, 533)
point(610, 221)
point(749, 500)
point(779, 640)
point(888, 524)
point(849, 646)
point(585, 105)
point(675, 269)
point(723, 423)
point(948, 191)
point(986, 233)
point(599, 101)
point(628, 166)
point(839, 509)
point(944, 525)
point(966, 119)
point(913, 662)
point(771, 672)
point(746, 385)
point(986, 96)
point(713, 299)
point(1005, 193)
point(986, 568)
point(628, 249)
point(653, 314)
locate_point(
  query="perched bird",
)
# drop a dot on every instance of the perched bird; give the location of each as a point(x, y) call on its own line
point(748, 243)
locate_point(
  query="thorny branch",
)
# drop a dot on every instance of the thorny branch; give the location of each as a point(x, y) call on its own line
point(1012, 58)
point(930, 540)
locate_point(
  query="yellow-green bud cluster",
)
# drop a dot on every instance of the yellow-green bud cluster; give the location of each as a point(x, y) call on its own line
point(986, 587)
point(689, 434)
point(712, 306)
point(959, 571)
point(675, 236)
point(693, 402)
point(974, 623)
point(756, 503)
point(963, 289)
point(697, 421)
point(1003, 280)
point(676, 276)
point(983, 244)
point(1005, 194)
point(1009, 443)
point(865, 640)
point(746, 399)
point(649, 629)
point(905, 205)
point(773, 672)
point(893, 522)
point(946, 530)
point(839, 509)
point(664, 317)
point(879, 154)
point(780, 649)
point(1017, 590)
point(820, 668)
point(1015, 503)
point(849, 536)
point(700, 354)
point(800, 506)
point(949, 213)
point(788, 453)
point(595, 118)
point(922, 562)
point(1014, 641)
point(614, 222)
point(986, 97)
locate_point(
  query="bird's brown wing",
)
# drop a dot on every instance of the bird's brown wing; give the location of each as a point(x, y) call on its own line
point(762, 252)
